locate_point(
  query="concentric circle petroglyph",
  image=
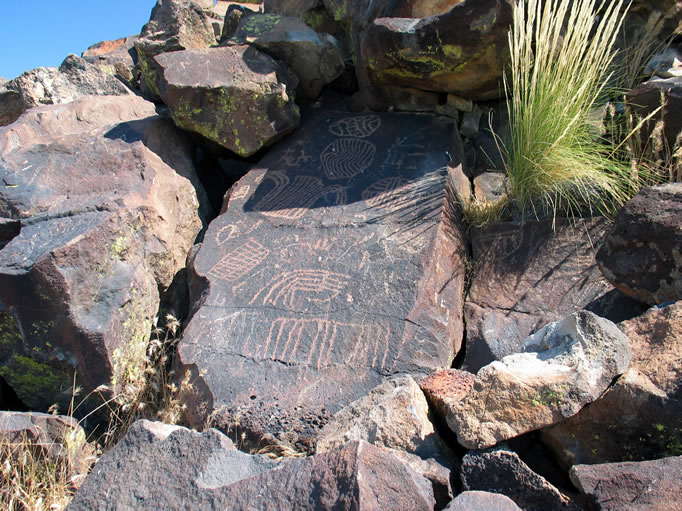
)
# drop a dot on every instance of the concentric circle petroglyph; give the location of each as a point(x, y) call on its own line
point(359, 126)
point(347, 157)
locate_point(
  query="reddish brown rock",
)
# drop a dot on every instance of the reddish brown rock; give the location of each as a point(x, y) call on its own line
point(174, 25)
point(174, 468)
point(75, 78)
point(447, 387)
point(461, 51)
point(646, 485)
point(236, 96)
point(642, 255)
point(104, 224)
point(116, 58)
point(639, 417)
point(334, 267)
point(528, 275)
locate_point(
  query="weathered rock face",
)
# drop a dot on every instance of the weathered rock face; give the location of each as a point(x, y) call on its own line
point(174, 25)
point(500, 470)
point(100, 197)
point(638, 418)
point(236, 96)
point(334, 266)
point(446, 388)
point(290, 7)
point(179, 469)
point(462, 51)
point(395, 415)
point(74, 79)
point(116, 58)
point(645, 485)
point(526, 276)
point(316, 59)
point(642, 256)
point(559, 369)
point(472, 500)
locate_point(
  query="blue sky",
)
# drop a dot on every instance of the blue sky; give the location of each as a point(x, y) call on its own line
point(43, 32)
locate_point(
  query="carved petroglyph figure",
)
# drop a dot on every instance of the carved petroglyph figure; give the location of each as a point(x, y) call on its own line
point(404, 155)
point(241, 261)
point(226, 233)
point(294, 290)
point(322, 343)
point(360, 126)
point(290, 200)
point(347, 157)
point(385, 193)
point(294, 157)
point(241, 192)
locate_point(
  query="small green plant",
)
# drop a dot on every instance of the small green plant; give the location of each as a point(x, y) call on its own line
point(561, 56)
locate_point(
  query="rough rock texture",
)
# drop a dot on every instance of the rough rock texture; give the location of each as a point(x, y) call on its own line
point(559, 369)
point(395, 414)
point(236, 96)
point(116, 58)
point(500, 470)
point(100, 196)
point(334, 266)
point(55, 436)
point(290, 7)
point(316, 59)
point(73, 79)
point(174, 25)
point(642, 256)
point(462, 51)
point(528, 275)
point(646, 485)
point(234, 15)
point(481, 501)
point(181, 469)
point(639, 417)
point(446, 388)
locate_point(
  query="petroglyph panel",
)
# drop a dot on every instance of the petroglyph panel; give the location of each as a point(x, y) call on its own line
point(347, 157)
point(241, 261)
point(322, 343)
point(358, 126)
point(290, 199)
point(297, 289)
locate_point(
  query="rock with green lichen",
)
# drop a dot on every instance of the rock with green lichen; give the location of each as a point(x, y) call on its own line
point(174, 25)
point(315, 58)
point(462, 51)
point(99, 224)
point(236, 96)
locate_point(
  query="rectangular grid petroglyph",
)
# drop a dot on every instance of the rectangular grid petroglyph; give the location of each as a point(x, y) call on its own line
point(241, 261)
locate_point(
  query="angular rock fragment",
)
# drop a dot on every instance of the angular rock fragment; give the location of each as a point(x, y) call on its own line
point(335, 265)
point(316, 59)
point(174, 25)
point(558, 370)
point(528, 275)
point(645, 485)
point(104, 194)
point(236, 96)
point(446, 388)
point(639, 418)
point(180, 469)
point(461, 51)
point(394, 414)
point(500, 470)
point(642, 256)
point(73, 79)
point(117, 58)
point(481, 500)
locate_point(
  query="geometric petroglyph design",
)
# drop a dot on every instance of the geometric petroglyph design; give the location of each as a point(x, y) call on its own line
point(321, 343)
point(360, 126)
point(347, 157)
point(384, 193)
point(226, 233)
point(290, 200)
point(404, 155)
point(293, 289)
point(240, 261)
point(295, 157)
point(240, 193)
